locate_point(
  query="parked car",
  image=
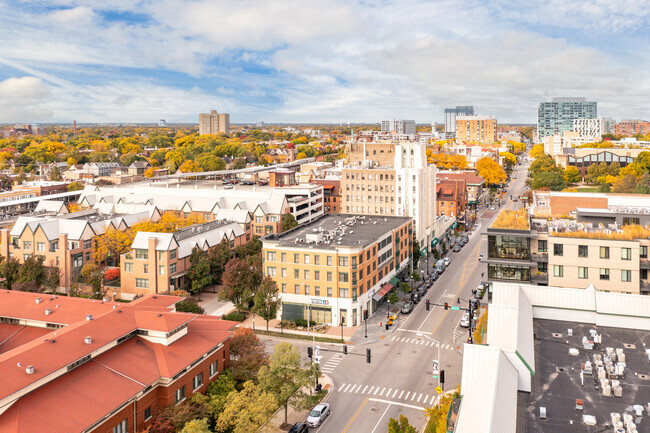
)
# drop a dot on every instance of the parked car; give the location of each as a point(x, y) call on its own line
point(263, 182)
point(228, 186)
point(492, 208)
point(318, 414)
point(415, 297)
point(407, 307)
point(422, 289)
point(464, 320)
point(447, 261)
point(434, 275)
point(440, 266)
point(247, 182)
point(299, 427)
point(456, 248)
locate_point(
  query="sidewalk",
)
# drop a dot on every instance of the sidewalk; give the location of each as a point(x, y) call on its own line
point(293, 416)
point(274, 325)
point(376, 324)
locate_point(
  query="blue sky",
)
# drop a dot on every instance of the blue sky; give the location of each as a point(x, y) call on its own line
point(318, 60)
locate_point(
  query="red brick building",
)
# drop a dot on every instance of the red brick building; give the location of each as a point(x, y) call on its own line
point(632, 127)
point(79, 365)
point(331, 194)
point(451, 196)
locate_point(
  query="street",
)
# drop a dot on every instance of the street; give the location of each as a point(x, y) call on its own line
point(399, 379)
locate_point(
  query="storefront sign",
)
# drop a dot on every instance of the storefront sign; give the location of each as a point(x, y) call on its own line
point(320, 301)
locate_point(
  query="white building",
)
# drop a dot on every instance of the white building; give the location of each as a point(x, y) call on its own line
point(588, 128)
point(399, 126)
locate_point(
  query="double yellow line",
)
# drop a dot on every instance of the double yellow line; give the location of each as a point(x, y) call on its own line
point(356, 414)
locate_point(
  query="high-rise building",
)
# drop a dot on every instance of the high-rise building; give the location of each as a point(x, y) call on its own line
point(477, 129)
point(398, 126)
point(607, 125)
point(450, 118)
point(214, 123)
point(588, 128)
point(557, 116)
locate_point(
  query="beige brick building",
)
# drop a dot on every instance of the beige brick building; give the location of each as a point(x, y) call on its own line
point(214, 123)
point(476, 129)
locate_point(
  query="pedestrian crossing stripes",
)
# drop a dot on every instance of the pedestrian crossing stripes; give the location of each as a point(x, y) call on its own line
point(421, 342)
point(387, 392)
point(330, 365)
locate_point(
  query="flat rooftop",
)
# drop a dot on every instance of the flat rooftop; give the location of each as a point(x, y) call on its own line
point(338, 230)
point(557, 385)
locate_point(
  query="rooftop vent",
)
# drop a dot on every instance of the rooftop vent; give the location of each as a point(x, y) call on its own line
point(39, 300)
point(88, 340)
point(48, 312)
point(29, 369)
point(89, 317)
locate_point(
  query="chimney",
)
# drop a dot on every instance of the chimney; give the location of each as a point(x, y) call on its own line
point(75, 127)
point(89, 317)
point(88, 340)
point(48, 312)
point(39, 300)
point(29, 369)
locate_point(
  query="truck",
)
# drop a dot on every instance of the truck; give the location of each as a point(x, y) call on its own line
point(440, 266)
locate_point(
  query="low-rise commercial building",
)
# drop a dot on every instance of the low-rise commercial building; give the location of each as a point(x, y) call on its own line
point(78, 365)
point(451, 196)
point(339, 268)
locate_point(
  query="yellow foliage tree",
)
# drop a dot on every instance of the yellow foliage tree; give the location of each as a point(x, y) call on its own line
point(74, 207)
point(490, 170)
point(508, 157)
point(438, 415)
point(190, 166)
point(537, 151)
point(301, 155)
point(446, 160)
point(148, 172)
point(111, 244)
point(481, 328)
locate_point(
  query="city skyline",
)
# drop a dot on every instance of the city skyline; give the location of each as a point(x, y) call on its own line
point(333, 61)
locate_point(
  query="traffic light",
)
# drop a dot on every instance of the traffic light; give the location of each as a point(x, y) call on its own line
point(446, 306)
point(345, 349)
point(365, 314)
point(427, 305)
point(368, 356)
point(310, 351)
point(442, 376)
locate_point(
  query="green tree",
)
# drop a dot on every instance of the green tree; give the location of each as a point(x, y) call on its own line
point(572, 175)
point(643, 186)
point(238, 284)
point(189, 305)
point(247, 354)
point(93, 275)
point(550, 179)
point(393, 298)
point(238, 163)
point(32, 274)
point(402, 426)
point(199, 271)
point(219, 390)
point(285, 378)
point(9, 268)
point(267, 300)
point(196, 426)
point(245, 411)
point(288, 222)
point(218, 257)
point(416, 252)
point(75, 186)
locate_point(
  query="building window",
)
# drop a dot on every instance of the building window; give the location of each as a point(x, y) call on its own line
point(317, 275)
point(77, 260)
point(283, 257)
point(172, 269)
point(558, 249)
point(306, 274)
point(283, 272)
point(329, 277)
point(270, 271)
point(343, 292)
point(214, 368)
point(270, 256)
point(128, 267)
point(626, 275)
point(161, 270)
point(141, 254)
point(142, 283)
point(172, 254)
point(197, 382)
point(88, 244)
point(604, 252)
point(316, 259)
point(343, 277)
point(40, 246)
point(604, 274)
point(317, 291)
point(145, 268)
point(147, 413)
point(306, 259)
point(296, 258)
point(644, 251)
point(121, 427)
point(343, 261)
point(296, 289)
point(296, 274)
point(284, 287)
point(542, 246)
point(306, 289)
point(329, 260)
point(626, 253)
point(27, 245)
point(179, 395)
point(583, 251)
point(329, 292)
point(558, 270)
point(259, 219)
point(72, 245)
point(583, 273)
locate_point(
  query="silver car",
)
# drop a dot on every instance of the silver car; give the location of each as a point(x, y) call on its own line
point(318, 414)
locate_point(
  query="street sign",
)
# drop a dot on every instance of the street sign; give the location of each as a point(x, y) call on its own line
point(455, 308)
point(317, 359)
point(317, 350)
point(438, 390)
point(436, 368)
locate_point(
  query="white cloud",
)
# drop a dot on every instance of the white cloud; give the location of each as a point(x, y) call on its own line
point(20, 99)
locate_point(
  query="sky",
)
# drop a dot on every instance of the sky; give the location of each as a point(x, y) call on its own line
point(320, 61)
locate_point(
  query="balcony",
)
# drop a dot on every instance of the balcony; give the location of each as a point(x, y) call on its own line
point(539, 257)
point(644, 263)
point(541, 278)
point(645, 286)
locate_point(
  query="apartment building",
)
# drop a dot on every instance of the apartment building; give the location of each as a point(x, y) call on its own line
point(214, 123)
point(632, 127)
point(451, 198)
point(392, 179)
point(570, 253)
point(557, 116)
point(450, 118)
point(159, 262)
point(476, 190)
point(338, 268)
point(72, 365)
point(406, 127)
point(331, 194)
point(476, 129)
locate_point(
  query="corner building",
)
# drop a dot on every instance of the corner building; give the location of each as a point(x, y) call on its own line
point(335, 269)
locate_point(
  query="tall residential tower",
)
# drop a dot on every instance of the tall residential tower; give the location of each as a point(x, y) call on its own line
point(557, 116)
point(450, 118)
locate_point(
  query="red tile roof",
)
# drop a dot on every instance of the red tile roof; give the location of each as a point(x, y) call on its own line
point(12, 336)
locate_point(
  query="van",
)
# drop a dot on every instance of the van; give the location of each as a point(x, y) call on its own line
point(440, 266)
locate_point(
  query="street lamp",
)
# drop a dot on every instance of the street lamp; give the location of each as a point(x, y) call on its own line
point(419, 334)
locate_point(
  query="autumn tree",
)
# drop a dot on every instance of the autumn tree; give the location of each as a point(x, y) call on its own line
point(447, 161)
point(75, 186)
point(247, 354)
point(238, 286)
point(285, 378)
point(111, 244)
point(626, 184)
point(245, 411)
point(288, 222)
point(9, 269)
point(267, 300)
point(572, 175)
point(93, 275)
point(196, 426)
point(438, 414)
point(537, 151)
point(218, 257)
point(219, 390)
point(509, 160)
point(401, 426)
point(31, 274)
point(238, 163)
point(490, 170)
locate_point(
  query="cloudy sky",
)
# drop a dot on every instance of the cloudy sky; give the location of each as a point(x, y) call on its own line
point(318, 60)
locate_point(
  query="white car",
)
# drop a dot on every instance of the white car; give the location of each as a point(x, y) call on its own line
point(318, 414)
point(464, 321)
point(447, 261)
point(228, 186)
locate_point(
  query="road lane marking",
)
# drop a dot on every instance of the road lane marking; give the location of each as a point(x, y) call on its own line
point(356, 414)
point(379, 421)
point(395, 403)
point(401, 394)
point(414, 394)
point(407, 395)
point(347, 387)
point(420, 397)
point(341, 387)
point(411, 330)
point(370, 391)
point(354, 387)
point(364, 390)
point(395, 393)
point(381, 394)
point(376, 391)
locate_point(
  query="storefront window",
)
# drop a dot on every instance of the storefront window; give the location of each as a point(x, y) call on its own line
point(504, 272)
point(509, 247)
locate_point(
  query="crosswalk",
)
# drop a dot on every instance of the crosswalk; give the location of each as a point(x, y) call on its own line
point(330, 364)
point(421, 342)
point(390, 393)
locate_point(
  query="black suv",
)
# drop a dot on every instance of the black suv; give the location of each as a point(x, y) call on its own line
point(299, 427)
point(415, 297)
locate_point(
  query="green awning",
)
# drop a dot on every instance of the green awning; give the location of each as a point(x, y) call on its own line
point(394, 281)
point(454, 225)
point(434, 242)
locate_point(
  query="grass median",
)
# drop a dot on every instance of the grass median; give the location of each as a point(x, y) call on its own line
point(298, 336)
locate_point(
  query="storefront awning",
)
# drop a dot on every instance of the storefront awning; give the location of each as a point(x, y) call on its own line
point(394, 281)
point(434, 242)
point(382, 292)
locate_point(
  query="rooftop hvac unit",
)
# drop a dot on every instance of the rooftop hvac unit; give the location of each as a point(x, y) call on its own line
point(542, 412)
point(29, 369)
point(39, 300)
point(89, 317)
point(48, 312)
point(88, 340)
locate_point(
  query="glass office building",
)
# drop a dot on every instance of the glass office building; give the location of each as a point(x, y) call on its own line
point(557, 116)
